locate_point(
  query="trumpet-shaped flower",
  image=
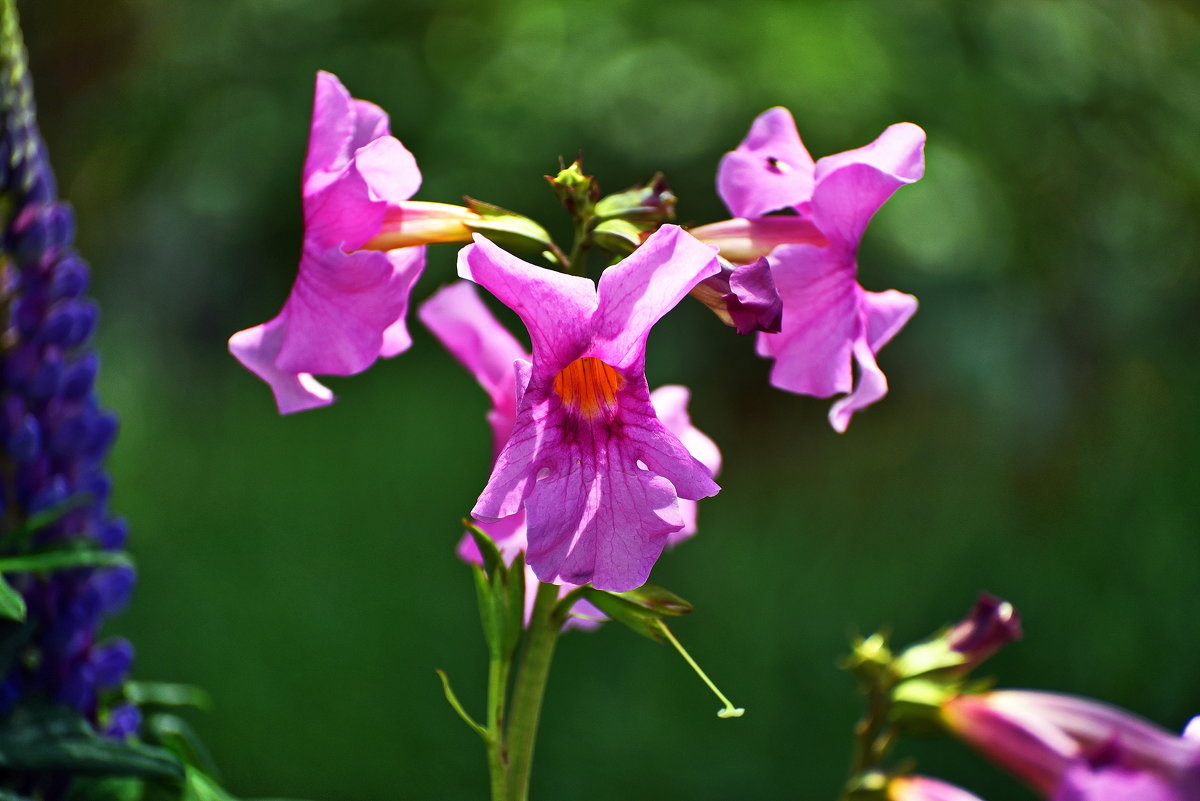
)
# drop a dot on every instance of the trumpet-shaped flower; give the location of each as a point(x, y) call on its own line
point(1075, 749)
point(598, 473)
point(829, 321)
point(348, 304)
point(465, 326)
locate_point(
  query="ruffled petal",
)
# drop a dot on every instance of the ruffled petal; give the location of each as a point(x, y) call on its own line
point(886, 313)
point(636, 292)
point(851, 186)
point(334, 127)
point(597, 518)
point(670, 404)
point(820, 321)
point(256, 348)
point(872, 386)
point(769, 170)
point(463, 323)
point(754, 303)
point(556, 308)
point(341, 306)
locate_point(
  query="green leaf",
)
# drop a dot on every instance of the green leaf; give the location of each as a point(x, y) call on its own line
point(161, 693)
point(64, 559)
point(490, 612)
point(452, 699)
point(105, 788)
point(12, 605)
point(656, 600)
point(49, 516)
point(177, 736)
point(58, 739)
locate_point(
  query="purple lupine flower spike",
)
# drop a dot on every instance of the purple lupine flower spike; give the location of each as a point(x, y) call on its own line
point(55, 435)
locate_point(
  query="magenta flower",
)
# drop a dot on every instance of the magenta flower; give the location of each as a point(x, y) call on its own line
point(348, 304)
point(829, 321)
point(923, 788)
point(598, 474)
point(1075, 749)
point(461, 321)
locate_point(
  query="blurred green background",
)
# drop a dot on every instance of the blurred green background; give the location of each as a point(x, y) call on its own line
point(1040, 439)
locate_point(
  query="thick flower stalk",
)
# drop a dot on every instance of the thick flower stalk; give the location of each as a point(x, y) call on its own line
point(830, 323)
point(363, 251)
point(56, 437)
point(466, 327)
point(1076, 749)
point(597, 472)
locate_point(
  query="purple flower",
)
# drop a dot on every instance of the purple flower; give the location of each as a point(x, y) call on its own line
point(461, 321)
point(358, 265)
point(598, 473)
point(55, 435)
point(829, 321)
point(992, 624)
point(923, 788)
point(1075, 749)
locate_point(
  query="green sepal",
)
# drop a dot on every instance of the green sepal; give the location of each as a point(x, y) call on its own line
point(63, 559)
point(928, 657)
point(640, 609)
point(490, 612)
point(618, 236)
point(457, 706)
point(509, 229)
point(515, 601)
point(651, 202)
point(12, 603)
point(58, 739)
point(917, 704)
point(871, 661)
point(165, 694)
point(492, 560)
point(576, 191)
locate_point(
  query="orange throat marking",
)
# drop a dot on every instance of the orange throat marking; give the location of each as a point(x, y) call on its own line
point(589, 387)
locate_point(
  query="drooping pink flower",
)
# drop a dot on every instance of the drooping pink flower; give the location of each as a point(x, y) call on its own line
point(350, 297)
point(598, 473)
point(829, 321)
point(466, 327)
point(923, 788)
point(1076, 749)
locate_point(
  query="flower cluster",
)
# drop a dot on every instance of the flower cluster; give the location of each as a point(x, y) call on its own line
point(55, 490)
point(593, 474)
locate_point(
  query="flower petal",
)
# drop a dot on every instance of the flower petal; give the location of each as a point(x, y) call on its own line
point(820, 320)
point(670, 404)
point(463, 323)
point(636, 292)
point(556, 308)
point(769, 170)
point(754, 303)
point(257, 347)
point(851, 186)
point(341, 306)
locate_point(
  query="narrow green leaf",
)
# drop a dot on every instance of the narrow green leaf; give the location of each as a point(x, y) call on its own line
point(491, 614)
point(12, 605)
point(199, 786)
point(51, 515)
point(177, 736)
point(64, 559)
point(58, 739)
point(452, 699)
point(161, 693)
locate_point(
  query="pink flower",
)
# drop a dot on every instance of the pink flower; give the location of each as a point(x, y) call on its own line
point(1075, 749)
point(829, 321)
point(598, 473)
point(923, 788)
point(461, 321)
point(348, 303)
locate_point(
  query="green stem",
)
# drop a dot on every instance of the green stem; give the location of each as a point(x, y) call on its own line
point(577, 262)
point(529, 690)
point(497, 753)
